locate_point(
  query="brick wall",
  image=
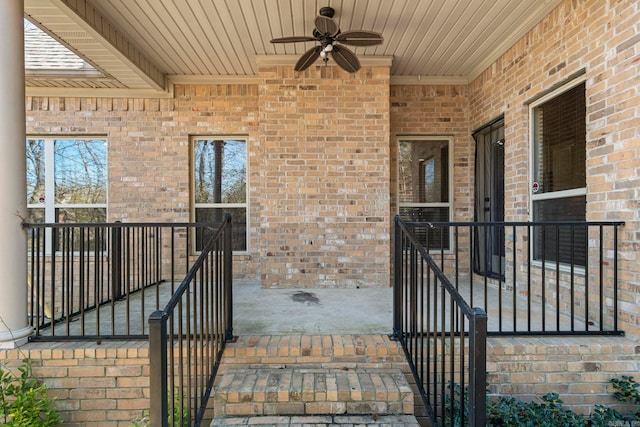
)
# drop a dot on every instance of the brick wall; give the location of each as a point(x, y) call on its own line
point(148, 140)
point(436, 111)
point(148, 144)
point(600, 37)
point(104, 385)
point(579, 369)
point(322, 173)
point(318, 165)
point(441, 111)
point(107, 384)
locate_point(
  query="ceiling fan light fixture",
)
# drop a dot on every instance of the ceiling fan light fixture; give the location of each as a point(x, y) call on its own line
point(330, 41)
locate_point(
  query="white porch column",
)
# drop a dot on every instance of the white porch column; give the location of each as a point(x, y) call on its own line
point(13, 203)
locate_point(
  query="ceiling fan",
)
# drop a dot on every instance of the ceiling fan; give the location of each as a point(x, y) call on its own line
point(328, 35)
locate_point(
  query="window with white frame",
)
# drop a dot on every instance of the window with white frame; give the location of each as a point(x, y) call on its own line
point(559, 173)
point(424, 185)
point(220, 185)
point(66, 179)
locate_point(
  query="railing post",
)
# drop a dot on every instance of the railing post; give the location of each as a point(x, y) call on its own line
point(397, 281)
point(615, 278)
point(159, 408)
point(228, 276)
point(116, 262)
point(478, 368)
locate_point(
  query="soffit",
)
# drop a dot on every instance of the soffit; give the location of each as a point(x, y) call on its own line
point(138, 42)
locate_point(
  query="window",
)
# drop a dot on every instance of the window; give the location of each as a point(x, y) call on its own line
point(423, 185)
point(559, 172)
point(67, 179)
point(220, 185)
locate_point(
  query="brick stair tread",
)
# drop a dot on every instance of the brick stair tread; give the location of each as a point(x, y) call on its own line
point(299, 391)
point(312, 346)
point(318, 421)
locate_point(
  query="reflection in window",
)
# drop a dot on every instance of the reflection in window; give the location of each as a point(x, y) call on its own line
point(429, 176)
point(220, 186)
point(66, 180)
point(559, 142)
point(423, 177)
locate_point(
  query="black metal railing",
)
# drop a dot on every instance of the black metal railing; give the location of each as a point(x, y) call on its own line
point(187, 337)
point(444, 339)
point(532, 278)
point(90, 281)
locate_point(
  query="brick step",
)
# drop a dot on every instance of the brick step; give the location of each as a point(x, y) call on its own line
point(316, 349)
point(312, 391)
point(319, 421)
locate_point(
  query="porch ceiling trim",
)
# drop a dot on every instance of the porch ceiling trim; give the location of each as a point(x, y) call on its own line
point(209, 80)
point(430, 80)
point(84, 30)
point(289, 60)
point(91, 92)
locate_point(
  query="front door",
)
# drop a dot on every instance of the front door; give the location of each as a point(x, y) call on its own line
point(489, 199)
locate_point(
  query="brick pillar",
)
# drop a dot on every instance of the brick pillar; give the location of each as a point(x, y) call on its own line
point(324, 214)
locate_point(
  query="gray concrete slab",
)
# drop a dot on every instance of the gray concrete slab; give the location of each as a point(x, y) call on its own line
point(284, 311)
point(257, 311)
point(306, 310)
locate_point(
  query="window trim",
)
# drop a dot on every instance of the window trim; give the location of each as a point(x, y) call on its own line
point(399, 140)
point(532, 152)
point(192, 179)
point(562, 194)
point(50, 208)
point(449, 139)
point(566, 86)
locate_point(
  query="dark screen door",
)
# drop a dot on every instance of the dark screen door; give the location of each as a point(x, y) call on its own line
point(489, 199)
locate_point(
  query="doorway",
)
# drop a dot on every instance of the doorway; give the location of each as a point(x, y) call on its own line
point(489, 241)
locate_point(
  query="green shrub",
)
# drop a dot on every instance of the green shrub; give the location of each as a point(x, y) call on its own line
point(603, 416)
point(547, 411)
point(627, 391)
point(23, 399)
point(180, 412)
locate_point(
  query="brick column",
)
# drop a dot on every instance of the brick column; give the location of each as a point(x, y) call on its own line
point(324, 177)
point(13, 203)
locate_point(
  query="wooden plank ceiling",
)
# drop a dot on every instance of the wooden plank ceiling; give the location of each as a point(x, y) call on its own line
point(144, 44)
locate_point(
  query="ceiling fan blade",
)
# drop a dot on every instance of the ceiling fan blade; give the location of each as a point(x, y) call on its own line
point(294, 39)
point(326, 26)
point(308, 58)
point(345, 58)
point(359, 38)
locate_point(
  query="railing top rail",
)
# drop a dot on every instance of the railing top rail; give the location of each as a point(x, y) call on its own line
point(175, 299)
point(120, 224)
point(515, 223)
point(467, 310)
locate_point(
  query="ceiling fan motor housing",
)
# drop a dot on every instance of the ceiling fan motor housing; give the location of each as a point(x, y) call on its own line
point(327, 11)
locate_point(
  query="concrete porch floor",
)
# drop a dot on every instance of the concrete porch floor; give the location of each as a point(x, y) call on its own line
point(284, 311)
point(256, 311)
point(317, 311)
point(305, 310)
